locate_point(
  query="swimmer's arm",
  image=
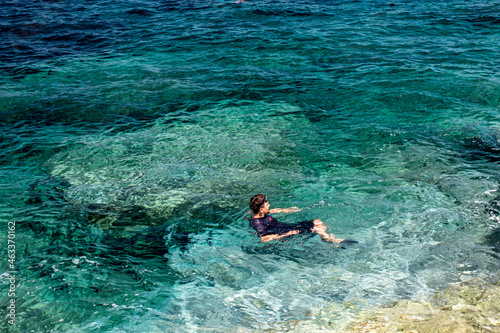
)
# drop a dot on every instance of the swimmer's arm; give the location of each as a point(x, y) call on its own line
point(268, 238)
point(284, 210)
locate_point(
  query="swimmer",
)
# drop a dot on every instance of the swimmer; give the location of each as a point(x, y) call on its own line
point(268, 228)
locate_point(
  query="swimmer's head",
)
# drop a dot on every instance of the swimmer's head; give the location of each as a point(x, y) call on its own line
point(257, 201)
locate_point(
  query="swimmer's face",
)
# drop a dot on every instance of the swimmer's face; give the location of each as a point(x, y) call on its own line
point(265, 207)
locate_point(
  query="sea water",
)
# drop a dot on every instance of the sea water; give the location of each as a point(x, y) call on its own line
point(133, 134)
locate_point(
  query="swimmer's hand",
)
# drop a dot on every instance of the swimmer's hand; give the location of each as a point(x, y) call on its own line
point(268, 238)
point(285, 210)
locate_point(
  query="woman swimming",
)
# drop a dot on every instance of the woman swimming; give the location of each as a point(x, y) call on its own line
point(268, 228)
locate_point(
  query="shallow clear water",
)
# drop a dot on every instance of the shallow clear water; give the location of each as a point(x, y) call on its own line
point(134, 134)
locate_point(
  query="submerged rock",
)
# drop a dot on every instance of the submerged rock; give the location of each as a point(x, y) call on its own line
point(467, 307)
point(459, 308)
point(167, 167)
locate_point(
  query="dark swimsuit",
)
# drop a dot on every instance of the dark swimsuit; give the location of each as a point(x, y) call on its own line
point(268, 225)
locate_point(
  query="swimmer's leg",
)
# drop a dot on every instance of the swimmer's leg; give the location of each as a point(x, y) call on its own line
point(320, 229)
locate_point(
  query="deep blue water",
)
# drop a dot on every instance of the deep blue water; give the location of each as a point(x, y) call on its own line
point(135, 132)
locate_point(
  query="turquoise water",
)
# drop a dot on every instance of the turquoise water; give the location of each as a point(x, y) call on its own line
point(134, 134)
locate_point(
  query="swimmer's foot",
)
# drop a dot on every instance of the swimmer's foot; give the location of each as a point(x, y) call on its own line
point(333, 240)
point(339, 242)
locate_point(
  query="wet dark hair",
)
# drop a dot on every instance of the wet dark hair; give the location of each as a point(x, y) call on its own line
point(256, 202)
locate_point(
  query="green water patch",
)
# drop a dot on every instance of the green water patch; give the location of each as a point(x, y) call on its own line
point(214, 158)
point(67, 269)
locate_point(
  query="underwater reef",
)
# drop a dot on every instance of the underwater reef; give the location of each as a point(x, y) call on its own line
point(460, 308)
